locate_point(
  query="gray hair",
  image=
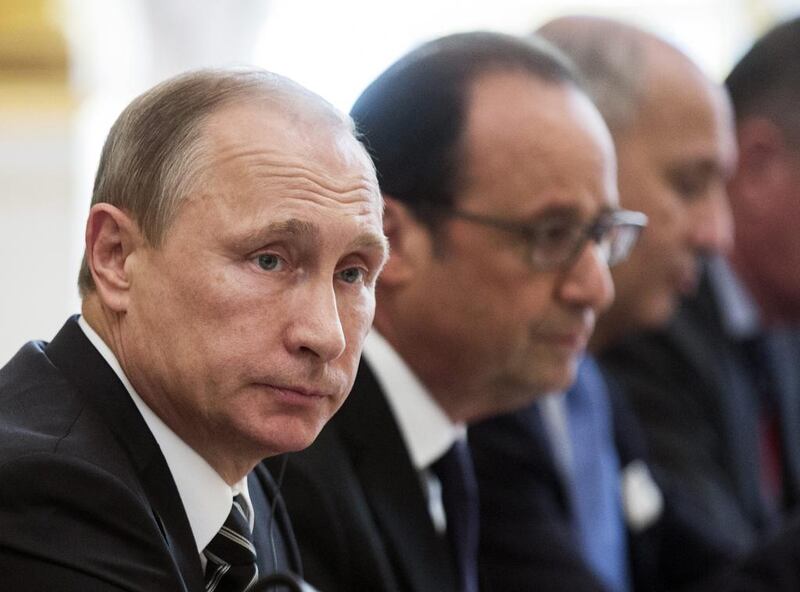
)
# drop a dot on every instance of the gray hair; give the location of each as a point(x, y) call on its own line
point(154, 155)
point(610, 60)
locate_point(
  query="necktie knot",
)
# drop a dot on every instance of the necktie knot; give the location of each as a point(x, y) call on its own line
point(231, 554)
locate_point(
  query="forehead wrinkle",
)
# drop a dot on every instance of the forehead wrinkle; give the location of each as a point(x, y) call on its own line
point(301, 229)
point(303, 179)
point(296, 174)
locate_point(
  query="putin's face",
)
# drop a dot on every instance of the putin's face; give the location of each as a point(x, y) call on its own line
point(246, 325)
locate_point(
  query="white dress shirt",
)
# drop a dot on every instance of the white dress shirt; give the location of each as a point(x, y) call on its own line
point(205, 495)
point(427, 431)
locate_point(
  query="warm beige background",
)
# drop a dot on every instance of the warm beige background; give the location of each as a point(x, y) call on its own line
point(68, 66)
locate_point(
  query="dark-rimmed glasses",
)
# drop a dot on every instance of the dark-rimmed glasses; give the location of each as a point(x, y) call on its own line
point(555, 243)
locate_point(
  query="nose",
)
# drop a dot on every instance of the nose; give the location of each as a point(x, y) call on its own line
point(316, 328)
point(587, 282)
point(711, 223)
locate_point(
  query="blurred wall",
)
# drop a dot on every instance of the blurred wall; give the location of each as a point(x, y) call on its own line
point(67, 67)
point(36, 222)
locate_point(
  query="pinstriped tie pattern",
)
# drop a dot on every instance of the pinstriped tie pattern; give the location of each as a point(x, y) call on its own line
point(231, 555)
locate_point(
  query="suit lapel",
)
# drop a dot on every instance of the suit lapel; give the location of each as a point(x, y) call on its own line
point(86, 369)
point(271, 532)
point(784, 352)
point(716, 359)
point(393, 489)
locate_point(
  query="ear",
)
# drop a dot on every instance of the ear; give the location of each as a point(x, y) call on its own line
point(410, 243)
point(760, 172)
point(111, 237)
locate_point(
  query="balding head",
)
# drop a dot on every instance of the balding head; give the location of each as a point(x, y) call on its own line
point(609, 57)
point(673, 132)
point(618, 62)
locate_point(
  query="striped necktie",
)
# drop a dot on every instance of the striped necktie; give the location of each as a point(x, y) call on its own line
point(231, 555)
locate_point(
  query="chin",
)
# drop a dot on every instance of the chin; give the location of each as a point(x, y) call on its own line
point(657, 313)
point(565, 380)
point(291, 435)
point(560, 379)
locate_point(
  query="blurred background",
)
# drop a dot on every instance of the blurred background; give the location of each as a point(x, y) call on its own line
point(67, 67)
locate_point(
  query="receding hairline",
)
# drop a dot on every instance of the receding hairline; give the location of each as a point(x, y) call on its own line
point(284, 98)
point(618, 63)
point(248, 84)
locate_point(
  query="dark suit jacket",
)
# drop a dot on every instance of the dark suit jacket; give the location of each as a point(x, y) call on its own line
point(699, 410)
point(358, 507)
point(528, 540)
point(528, 536)
point(87, 501)
point(772, 567)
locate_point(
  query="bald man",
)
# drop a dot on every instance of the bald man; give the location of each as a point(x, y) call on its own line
point(719, 389)
point(572, 470)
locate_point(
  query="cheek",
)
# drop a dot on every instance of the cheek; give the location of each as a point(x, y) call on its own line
point(666, 230)
point(226, 324)
point(530, 305)
point(644, 188)
point(356, 313)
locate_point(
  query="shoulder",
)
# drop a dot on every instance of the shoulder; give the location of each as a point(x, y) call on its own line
point(46, 420)
point(65, 517)
point(74, 507)
point(39, 409)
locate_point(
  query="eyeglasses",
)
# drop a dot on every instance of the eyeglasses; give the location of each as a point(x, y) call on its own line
point(555, 242)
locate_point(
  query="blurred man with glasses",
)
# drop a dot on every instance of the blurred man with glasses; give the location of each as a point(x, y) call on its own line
point(499, 179)
point(572, 470)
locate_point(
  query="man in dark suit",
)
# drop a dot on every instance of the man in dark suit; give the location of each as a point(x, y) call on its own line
point(498, 177)
point(575, 462)
point(719, 389)
point(228, 283)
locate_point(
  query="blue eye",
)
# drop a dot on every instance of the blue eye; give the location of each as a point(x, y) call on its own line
point(268, 261)
point(351, 275)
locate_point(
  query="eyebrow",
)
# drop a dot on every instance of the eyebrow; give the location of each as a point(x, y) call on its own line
point(702, 166)
point(309, 232)
point(565, 211)
point(370, 240)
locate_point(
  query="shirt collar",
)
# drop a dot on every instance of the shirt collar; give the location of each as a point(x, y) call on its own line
point(205, 495)
point(740, 315)
point(427, 430)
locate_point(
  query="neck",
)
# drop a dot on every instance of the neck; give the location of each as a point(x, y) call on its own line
point(109, 327)
point(445, 389)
